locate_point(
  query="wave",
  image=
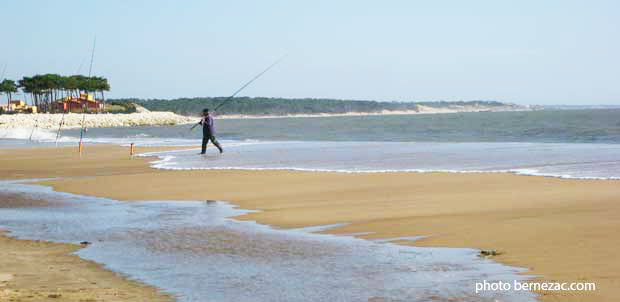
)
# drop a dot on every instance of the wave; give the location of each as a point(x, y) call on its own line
point(37, 134)
point(166, 162)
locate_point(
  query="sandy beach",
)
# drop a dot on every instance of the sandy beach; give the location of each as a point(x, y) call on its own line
point(42, 271)
point(561, 230)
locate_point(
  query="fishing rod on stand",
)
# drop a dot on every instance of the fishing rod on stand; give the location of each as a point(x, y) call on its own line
point(62, 119)
point(3, 72)
point(81, 146)
point(82, 130)
point(36, 122)
point(244, 86)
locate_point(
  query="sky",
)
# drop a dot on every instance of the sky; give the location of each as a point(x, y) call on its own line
point(525, 52)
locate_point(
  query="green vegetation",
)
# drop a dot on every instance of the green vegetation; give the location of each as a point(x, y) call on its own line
point(45, 89)
point(8, 87)
point(120, 107)
point(115, 108)
point(281, 106)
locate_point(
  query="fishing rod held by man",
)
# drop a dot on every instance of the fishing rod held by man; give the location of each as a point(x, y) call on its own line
point(249, 82)
point(207, 120)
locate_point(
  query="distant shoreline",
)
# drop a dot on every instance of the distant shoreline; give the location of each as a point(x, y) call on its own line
point(161, 118)
point(143, 117)
point(379, 113)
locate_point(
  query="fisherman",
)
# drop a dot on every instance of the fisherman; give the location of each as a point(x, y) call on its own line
point(208, 132)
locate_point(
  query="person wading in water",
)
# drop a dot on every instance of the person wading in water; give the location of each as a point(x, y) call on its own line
point(208, 132)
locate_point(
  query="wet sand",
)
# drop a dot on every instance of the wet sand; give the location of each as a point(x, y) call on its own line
point(42, 271)
point(192, 250)
point(562, 230)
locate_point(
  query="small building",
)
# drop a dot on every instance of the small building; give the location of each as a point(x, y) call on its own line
point(19, 106)
point(78, 104)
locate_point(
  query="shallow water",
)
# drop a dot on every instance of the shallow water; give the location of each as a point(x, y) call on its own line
point(197, 252)
point(587, 161)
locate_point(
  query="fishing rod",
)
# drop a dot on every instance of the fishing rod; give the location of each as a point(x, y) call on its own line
point(3, 71)
point(246, 85)
point(36, 122)
point(8, 101)
point(250, 82)
point(80, 67)
point(62, 119)
point(92, 56)
point(82, 129)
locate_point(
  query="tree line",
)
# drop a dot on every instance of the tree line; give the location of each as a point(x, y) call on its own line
point(266, 106)
point(47, 88)
point(283, 106)
point(8, 87)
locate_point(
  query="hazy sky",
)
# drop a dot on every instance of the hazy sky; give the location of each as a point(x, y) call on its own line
point(539, 52)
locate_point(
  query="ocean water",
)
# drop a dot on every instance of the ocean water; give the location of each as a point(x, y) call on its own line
point(198, 252)
point(547, 126)
point(557, 143)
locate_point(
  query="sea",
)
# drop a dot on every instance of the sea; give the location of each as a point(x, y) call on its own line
point(582, 144)
point(197, 251)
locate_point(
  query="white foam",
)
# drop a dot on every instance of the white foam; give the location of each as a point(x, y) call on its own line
point(25, 133)
point(531, 172)
point(552, 160)
point(166, 163)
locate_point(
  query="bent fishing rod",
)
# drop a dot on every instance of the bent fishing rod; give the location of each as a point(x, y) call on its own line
point(246, 85)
